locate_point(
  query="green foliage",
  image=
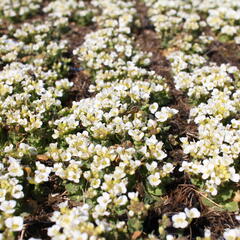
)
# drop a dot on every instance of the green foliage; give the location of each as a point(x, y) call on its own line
point(134, 224)
point(232, 206)
point(197, 181)
point(162, 98)
point(156, 192)
point(225, 193)
point(74, 190)
point(224, 38)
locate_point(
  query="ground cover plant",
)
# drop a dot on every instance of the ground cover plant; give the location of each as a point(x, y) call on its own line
point(119, 119)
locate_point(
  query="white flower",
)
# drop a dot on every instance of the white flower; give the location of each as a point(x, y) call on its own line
point(168, 168)
point(151, 167)
point(100, 210)
point(54, 230)
point(229, 30)
point(211, 188)
point(169, 237)
point(15, 169)
point(161, 116)
point(151, 141)
point(235, 177)
point(8, 148)
point(207, 233)
point(8, 206)
point(153, 108)
point(120, 224)
point(95, 183)
point(154, 179)
point(42, 173)
point(131, 213)
point(231, 234)
point(206, 169)
point(133, 195)
point(121, 200)
point(104, 199)
point(136, 134)
point(14, 223)
point(179, 220)
point(237, 39)
point(192, 213)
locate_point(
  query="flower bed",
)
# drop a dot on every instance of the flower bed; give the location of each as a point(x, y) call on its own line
point(105, 166)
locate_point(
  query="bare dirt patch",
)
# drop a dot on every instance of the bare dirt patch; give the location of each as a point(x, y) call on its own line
point(224, 53)
point(77, 73)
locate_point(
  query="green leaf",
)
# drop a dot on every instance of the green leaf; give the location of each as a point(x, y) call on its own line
point(120, 211)
point(224, 38)
point(227, 194)
point(159, 191)
point(73, 188)
point(210, 204)
point(197, 182)
point(148, 199)
point(231, 206)
point(134, 224)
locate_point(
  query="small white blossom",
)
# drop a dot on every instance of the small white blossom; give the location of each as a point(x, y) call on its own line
point(192, 213)
point(179, 220)
point(14, 223)
point(154, 179)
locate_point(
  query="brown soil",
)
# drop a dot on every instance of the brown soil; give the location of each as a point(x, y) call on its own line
point(41, 207)
point(224, 53)
point(77, 74)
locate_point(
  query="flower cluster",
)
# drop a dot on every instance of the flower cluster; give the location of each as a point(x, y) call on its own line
point(192, 20)
point(91, 223)
point(111, 136)
point(28, 94)
point(35, 43)
point(232, 234)
point(34, 65)
point(10, 191)
point(62, 11)
point(182, 219)
point(214, 90)
point(16, 9)
point(70, 223)
point(109, 152)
